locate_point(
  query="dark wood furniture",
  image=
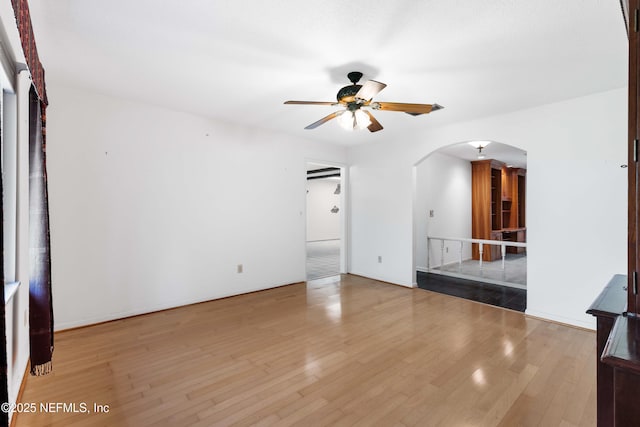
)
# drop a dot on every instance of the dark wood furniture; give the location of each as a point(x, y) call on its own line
point(513, 197)
point(486, 214)
point(514, 235)
point(610, 304)
point(497, 206)
point(622, 356)
point(618, 315)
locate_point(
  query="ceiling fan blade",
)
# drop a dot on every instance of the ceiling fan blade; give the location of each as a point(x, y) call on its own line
point(370, 89)
point(310, 103)
point(324, 120)
point(413, 109)
point(375, 125)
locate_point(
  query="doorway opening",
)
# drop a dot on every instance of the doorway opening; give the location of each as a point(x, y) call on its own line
point(325, 234)
point(469, 222)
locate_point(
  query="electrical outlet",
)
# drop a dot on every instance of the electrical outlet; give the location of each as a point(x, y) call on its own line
point(431, 214)
point(239, 268)
point(380, 259)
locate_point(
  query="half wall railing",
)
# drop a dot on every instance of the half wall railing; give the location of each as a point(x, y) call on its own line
point(460, 242)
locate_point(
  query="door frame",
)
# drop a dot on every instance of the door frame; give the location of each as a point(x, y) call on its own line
point(344, 211)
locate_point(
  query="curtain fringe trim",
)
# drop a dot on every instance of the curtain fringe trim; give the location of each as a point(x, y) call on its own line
point(43, 369)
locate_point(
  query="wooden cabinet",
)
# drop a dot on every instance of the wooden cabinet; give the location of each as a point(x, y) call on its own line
point(494, 251)
point(496, 199)
point(497, 204)
point(609, 305)
point(520, 178)
point(617, 357)
point(514, 235)
point(486, 202)
point(506, 184)
point(513, 197)
point(521, 236)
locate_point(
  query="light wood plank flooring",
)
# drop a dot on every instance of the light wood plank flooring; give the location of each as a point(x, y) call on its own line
point(354, 352)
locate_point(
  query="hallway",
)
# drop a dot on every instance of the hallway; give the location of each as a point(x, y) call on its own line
point(323, 258)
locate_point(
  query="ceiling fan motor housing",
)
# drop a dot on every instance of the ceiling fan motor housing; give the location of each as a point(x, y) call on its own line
point(348, 93)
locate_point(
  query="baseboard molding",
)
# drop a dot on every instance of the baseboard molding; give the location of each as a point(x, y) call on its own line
point(564, 321)
point(13, 416)
point(381, 279)
point(69, 326)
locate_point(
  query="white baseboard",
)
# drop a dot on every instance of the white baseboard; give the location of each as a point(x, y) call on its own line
point(585, 324)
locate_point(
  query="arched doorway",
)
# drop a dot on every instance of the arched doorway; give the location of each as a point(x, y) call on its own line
point(447, 211)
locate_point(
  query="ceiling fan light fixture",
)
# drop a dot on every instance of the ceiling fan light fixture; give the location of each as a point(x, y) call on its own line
point(478, 144)
point(354, 120)
point(362, 120)
point(345, 120)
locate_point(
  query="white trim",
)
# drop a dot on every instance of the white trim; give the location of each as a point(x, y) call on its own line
point(10, 290)
point(548, 317)
point(344, 211)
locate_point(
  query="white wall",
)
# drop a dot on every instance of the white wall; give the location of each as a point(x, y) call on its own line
point(152, 208)
point(322, 224)
point(576, 199)
point(443, 185)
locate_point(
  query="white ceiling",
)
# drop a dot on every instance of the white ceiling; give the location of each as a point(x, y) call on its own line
point(239, 60)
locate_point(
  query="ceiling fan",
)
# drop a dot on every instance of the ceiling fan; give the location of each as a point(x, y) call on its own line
point(355, 98)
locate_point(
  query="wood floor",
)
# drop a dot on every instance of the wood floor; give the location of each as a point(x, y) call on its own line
point(356, 352)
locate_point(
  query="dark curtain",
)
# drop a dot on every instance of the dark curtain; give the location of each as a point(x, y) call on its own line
point(40, 302)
